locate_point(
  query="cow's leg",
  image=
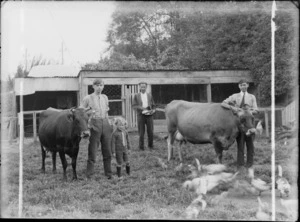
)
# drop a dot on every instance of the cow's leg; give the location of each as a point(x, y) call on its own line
point(180, 151)
point(171, 138)
point(219, 151)
point(43, 159)
point(54, 161)
point(74, 161)
point(64, 163)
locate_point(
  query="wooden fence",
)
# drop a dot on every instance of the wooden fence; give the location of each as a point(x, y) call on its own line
point(289, 114)
point(34, 122)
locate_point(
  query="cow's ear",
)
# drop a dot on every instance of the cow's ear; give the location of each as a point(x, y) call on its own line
point(236, 111)
point(240, 112)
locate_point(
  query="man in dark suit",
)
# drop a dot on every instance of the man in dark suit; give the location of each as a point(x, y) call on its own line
point(144, 104)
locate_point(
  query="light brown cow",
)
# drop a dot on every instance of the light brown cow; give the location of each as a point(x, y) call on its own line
point(201, 123)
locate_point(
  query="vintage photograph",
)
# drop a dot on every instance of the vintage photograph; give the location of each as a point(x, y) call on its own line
point(172, 110)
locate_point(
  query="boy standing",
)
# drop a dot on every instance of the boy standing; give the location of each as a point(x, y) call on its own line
point(120, 145)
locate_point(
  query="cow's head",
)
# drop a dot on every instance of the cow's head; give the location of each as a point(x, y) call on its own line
point(246, 120)
point(80, 118)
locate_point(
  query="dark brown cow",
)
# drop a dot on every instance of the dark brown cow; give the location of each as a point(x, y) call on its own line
point(61, 131)
point(201, 123)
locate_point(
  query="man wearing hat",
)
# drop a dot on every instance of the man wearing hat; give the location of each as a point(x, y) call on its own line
point(240, 100)
point(144, 104)
point(100, 129)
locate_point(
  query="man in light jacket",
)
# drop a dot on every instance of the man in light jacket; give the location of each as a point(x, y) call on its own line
point(144, 104)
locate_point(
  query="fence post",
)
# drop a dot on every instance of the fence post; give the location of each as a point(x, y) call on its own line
point(34, 127)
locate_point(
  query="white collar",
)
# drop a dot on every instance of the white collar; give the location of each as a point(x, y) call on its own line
point(246, 93)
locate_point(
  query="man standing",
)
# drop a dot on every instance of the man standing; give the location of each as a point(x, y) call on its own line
point(100, 129)
point(241, 100)
point(144, 104)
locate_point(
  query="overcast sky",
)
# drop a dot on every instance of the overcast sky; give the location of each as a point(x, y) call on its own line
point(41, 27)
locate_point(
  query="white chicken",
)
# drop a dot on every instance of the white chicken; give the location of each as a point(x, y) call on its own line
point(161, 163)
point(259, 128)
point(282, 184)
point(211, 168)
point(218, 198)
point(194, 172)
point(244, 186)
point(263, 212)
point(193, 210)
point(179, 168)
point(204, 184)
point(257, 183)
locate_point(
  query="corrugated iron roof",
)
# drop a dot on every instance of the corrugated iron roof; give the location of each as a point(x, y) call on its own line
point(54, 71)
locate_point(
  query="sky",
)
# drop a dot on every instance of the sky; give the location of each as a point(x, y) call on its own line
point(44, 28)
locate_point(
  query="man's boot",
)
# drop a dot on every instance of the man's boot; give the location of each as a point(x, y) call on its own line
point(119, 171)
point(128, 169)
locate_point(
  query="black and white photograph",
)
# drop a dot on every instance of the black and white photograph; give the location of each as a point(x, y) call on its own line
point(160, 110)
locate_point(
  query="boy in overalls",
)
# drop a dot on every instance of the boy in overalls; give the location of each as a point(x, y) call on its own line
point(120, 145)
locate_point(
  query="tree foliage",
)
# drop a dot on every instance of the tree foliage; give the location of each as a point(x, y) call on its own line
point(203, 36)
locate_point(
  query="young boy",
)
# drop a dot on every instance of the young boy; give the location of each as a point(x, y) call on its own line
point(120, 145)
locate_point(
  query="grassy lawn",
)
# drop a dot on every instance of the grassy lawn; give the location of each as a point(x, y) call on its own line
point(149, 193)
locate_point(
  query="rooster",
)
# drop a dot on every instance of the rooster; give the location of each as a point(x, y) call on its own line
point(257, 183)
point(282, 184)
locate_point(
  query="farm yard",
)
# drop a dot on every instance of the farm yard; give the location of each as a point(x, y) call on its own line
point(150, 192)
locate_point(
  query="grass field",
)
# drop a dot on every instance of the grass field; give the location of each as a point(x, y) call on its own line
point(149, 193)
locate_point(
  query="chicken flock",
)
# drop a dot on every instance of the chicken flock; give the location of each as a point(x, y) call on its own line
point(204, 179)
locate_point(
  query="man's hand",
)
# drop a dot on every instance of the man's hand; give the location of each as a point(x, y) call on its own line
point(114, 155)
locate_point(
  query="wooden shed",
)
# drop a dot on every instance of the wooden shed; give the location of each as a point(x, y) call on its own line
point(165, 86)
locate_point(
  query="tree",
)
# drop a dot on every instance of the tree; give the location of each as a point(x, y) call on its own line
point(204, 36)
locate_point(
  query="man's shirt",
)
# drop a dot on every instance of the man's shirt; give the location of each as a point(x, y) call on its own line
point(236, 99)
point(98, 103)
point(144, 100)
